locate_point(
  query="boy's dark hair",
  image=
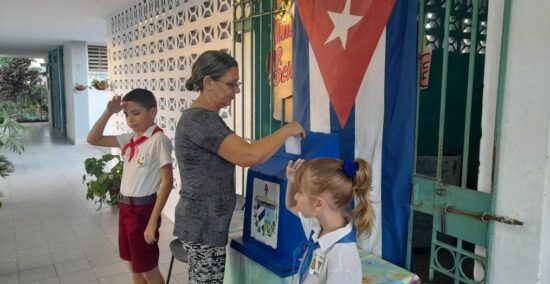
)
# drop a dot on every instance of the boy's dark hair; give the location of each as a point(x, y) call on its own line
point(144, 98)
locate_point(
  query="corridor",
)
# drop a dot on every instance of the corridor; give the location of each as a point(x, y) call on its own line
point(49, 232)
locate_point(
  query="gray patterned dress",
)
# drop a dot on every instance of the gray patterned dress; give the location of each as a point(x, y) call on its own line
point(207, 195)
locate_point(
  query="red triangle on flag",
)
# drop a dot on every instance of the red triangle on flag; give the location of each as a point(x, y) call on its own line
point(343, 35)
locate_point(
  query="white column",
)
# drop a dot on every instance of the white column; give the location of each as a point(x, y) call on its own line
point(74, 60)
point(520, 254)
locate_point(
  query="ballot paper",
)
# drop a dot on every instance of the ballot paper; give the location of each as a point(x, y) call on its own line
point(293, 145)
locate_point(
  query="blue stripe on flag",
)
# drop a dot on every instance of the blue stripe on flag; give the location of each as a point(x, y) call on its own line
point(346, 134)
point(398, 136)
point(300, 88)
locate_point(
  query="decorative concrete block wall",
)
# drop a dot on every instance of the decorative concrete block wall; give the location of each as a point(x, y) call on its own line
point(153, 45)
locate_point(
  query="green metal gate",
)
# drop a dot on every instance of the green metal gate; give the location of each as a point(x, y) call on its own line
point(254, 26)
point(451, 51)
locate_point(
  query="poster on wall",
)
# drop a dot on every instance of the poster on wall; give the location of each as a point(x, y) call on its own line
point(425, 63)
point(279, 62)
point(265, 212)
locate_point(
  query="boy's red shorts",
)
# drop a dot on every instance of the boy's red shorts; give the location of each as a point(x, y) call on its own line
point(132, 222)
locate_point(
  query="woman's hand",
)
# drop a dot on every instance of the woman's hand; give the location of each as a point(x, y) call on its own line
point(296, 129)
point(291, 169)
point(115, 105)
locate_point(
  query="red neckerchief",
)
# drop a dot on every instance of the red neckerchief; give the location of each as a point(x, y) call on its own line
point(133, 144)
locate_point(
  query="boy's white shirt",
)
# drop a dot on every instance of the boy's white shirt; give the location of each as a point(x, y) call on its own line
point(341, 260)
point(141, 176)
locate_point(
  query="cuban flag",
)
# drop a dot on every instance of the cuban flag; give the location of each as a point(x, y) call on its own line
point(354, 74)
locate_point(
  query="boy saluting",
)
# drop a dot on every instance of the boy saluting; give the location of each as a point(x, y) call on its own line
point(146, 180)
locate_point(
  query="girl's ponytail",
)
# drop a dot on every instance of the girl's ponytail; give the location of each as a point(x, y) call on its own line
point(363, 214)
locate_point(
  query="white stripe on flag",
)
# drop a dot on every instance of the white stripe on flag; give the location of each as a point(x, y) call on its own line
point(319, 104)
point(369, 124)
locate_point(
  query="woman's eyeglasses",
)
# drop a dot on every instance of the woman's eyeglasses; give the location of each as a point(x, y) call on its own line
point(231, 85)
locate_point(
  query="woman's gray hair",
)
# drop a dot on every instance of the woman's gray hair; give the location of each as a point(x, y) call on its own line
point(213, 63)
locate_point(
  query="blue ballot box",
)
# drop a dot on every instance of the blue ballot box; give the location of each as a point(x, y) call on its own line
point(271, 232)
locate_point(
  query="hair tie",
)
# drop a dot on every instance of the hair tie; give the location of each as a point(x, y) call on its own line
point(350, 167)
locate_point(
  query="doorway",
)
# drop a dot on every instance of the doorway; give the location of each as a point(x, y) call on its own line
point(56, 83)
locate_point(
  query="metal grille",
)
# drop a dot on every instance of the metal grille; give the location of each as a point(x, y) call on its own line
point(97, 58)
point(449, 102)
point(255, 25)
point(253, 41)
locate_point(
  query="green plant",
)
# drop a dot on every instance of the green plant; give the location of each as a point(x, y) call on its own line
point(100, 84)
point(18, 78)
point(103, 181)
point(21, 89)
point(6, 167)
point(9, 133)
point(9, 138)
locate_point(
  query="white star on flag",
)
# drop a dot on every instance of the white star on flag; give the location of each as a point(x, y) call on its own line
point(342, 23)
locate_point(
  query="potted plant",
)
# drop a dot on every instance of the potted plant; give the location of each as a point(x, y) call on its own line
point(102, 181)
point(80, 87)
point(100, 84)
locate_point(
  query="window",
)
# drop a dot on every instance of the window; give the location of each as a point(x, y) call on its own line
point(97, 58)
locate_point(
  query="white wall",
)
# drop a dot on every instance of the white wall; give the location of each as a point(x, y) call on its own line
point(520, 254)
point(97, 100)
point(69, 98)
point(544, 253)
point(83, 107)
point(143, 59)
point(75, 64)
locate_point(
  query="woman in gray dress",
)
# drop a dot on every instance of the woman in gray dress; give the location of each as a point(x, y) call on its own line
point(207, 152)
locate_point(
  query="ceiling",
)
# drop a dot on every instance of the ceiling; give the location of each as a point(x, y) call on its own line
point(31, 28)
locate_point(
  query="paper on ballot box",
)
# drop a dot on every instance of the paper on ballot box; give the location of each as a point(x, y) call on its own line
point(293, 145)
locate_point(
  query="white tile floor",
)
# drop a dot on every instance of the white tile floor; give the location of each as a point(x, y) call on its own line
point(49, 232)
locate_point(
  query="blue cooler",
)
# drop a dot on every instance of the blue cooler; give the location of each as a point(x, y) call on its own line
point(271, 232)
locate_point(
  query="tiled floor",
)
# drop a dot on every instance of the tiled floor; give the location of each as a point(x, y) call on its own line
point(49, 232)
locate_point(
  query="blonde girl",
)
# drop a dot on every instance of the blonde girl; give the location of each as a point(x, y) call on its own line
point(320, 191)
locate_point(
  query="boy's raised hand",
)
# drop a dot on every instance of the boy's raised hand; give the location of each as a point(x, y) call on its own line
point(291, 169)
point(115, 105)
